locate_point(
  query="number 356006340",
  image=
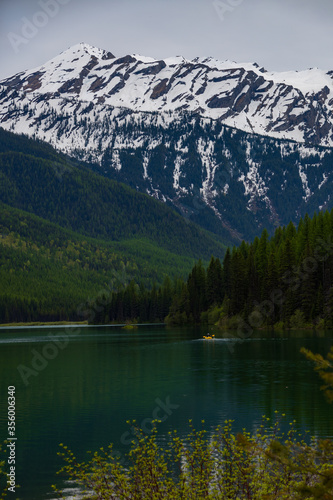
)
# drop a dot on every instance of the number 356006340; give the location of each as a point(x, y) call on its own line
point(11, 409)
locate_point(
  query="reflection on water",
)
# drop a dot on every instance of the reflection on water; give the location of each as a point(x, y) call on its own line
point(85, 391)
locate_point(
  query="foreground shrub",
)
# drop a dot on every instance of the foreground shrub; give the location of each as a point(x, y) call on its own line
point(266, 464)
point(3, 474)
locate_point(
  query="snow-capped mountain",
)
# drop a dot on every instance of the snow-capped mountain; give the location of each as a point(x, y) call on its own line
point(169, 128)
point(292, 105)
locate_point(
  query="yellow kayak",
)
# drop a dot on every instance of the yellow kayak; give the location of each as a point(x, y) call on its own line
point(209, 337)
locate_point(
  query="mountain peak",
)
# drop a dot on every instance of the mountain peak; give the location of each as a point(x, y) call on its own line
point(291, 105)
point(90, 50)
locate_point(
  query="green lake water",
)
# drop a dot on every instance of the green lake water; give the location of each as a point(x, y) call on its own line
point(85, 391)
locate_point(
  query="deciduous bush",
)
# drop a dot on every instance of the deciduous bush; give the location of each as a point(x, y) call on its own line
point(266, 464)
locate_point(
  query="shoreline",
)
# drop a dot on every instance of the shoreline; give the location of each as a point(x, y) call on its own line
point(85, 324)
point(43, 323)
point(129, 326)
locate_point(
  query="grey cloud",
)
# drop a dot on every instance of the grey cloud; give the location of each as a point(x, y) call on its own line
point(277, 34)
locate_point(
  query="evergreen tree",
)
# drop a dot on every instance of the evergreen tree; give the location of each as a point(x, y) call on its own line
point(196, 285)
point(214, 282)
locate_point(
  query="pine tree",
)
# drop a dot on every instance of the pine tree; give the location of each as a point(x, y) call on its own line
point(239, 286)
point(226, 275)
point(261, 262)
point(272, 284)
point(214, 282)
point(309, 284)
point(196, 285)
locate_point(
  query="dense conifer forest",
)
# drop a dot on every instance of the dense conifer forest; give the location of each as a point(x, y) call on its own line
point(283, 281)
point(46, 272)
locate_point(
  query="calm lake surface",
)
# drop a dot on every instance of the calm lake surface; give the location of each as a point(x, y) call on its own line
point(104, 376)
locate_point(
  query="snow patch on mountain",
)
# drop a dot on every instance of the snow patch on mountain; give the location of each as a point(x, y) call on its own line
point(308, 81)
point(179, 162)
point(305, 183)
point(206, 151)
point(325, 177)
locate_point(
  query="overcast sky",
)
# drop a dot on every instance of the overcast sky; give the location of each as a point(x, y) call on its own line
point(277, 34)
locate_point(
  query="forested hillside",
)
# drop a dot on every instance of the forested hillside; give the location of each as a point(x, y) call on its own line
point(46, 272)
point(77, 199)
point(66, 233)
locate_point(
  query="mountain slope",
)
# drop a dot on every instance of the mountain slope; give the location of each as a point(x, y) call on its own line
point(68, 235)
point(77, 199)
point(162, 127)
point(47, 272)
